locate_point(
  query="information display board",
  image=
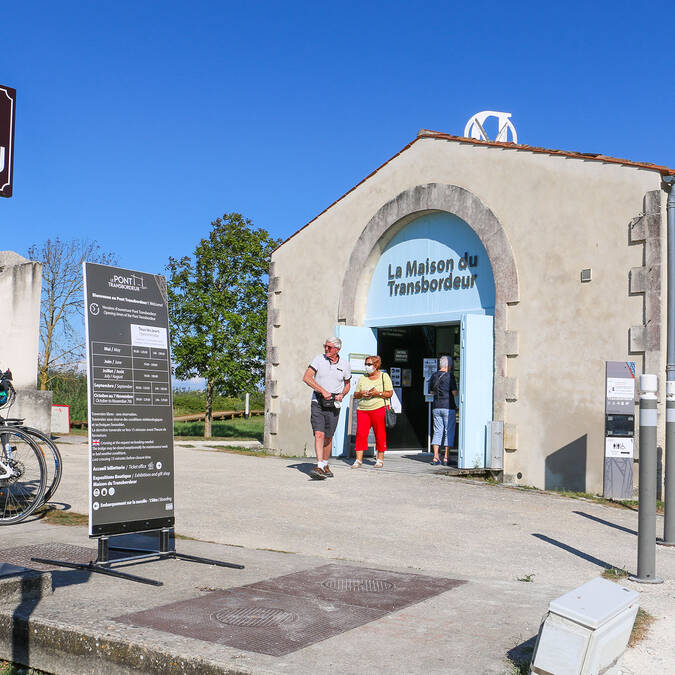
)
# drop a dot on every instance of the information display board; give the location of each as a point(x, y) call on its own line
point(429, 367)
point(130, 406)
point(619, 429)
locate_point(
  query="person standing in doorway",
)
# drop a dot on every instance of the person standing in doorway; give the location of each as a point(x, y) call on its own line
point(372, 392)
point(329, 376)
point(444, 388)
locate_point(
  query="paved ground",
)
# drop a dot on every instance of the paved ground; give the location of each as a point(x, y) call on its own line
point(266, 514)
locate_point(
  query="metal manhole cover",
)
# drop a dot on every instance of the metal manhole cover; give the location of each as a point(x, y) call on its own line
point(358, 585)
point(255, 617)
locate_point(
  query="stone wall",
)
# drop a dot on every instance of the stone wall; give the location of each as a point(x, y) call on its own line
point(20, 285)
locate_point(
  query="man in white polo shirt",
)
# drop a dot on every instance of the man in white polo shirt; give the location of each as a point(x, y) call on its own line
point(328, 375)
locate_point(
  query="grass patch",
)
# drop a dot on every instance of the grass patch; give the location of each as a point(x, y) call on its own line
point(184, 537)
point(252, 452)
point(528, 578)
point(49, 514)
point(632, 504)
point(238, 428)
point(643, 621)
point(614, 573)
point(187, 402)
point(276, 550)
point(7, 668)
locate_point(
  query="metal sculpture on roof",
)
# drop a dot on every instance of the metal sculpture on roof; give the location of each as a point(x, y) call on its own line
point(475, 127)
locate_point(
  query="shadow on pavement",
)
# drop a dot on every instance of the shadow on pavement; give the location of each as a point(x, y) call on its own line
point(30, 596)
point(606, 522)
point(302, 467)
point(574, 551)
point(521, 655)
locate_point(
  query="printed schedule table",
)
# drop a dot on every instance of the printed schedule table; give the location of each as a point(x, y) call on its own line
point(125, 374)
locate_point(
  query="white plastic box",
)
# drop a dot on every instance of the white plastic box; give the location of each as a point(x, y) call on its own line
point(586, 631)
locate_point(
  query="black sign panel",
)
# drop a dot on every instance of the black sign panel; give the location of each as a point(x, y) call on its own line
point(130, 407)
point(7, 111)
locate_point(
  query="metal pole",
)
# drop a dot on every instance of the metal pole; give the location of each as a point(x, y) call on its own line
point(669, 479)
point(103, 555)
point(164, 535)
point(669, 496)
point(248, 412)
point(646, 559)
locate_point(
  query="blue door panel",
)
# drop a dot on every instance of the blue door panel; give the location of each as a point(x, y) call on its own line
point(476, 379)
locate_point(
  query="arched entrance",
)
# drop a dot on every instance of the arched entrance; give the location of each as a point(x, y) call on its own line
point(426, 260)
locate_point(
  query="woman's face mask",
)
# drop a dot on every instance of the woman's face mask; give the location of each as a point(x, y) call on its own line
point(370, 369)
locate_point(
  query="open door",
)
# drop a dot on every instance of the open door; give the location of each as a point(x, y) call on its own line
point(355, 340)
point(475, 389)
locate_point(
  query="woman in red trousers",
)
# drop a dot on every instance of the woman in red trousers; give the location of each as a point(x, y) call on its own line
point(372, 392)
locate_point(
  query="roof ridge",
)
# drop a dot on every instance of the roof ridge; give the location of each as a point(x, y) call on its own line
point(600, 157)
point(439, 135)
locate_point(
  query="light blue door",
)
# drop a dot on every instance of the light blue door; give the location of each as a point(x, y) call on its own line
point(475, 388)
point(355, 340)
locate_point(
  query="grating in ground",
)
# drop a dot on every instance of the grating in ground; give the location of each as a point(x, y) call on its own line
point(21, 555)
point(279, 616)
point(362, 586)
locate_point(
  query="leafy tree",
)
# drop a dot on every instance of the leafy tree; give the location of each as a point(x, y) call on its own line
point(218, 309)
point(70, 388)
point(61, 304)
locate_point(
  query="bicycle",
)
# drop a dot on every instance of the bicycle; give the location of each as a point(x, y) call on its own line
point(25, 494)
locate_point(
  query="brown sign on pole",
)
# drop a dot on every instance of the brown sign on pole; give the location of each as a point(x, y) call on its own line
point(7, 112)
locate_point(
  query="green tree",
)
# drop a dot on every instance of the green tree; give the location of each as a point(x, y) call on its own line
point(218, 309)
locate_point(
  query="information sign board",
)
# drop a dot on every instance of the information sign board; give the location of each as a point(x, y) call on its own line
point(619, 429)
point(130, 407)
point(620, 387)
point(7, 114)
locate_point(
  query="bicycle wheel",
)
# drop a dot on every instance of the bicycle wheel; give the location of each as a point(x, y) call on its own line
point(52, 459)
point(23, 476)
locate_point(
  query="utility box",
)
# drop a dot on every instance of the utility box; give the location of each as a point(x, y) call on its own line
point(586, 631)
point(495, 445)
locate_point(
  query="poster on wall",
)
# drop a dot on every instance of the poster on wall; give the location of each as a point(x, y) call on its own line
point(395, 374)
point(357, 362)
point(429, 367)
point(130, 408)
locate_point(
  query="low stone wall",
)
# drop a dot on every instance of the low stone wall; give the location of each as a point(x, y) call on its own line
point(33, 405)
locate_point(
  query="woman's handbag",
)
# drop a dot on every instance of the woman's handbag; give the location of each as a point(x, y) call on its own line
point(390, 417)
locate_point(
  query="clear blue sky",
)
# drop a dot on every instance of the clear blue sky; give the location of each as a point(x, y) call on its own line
point(140, 122)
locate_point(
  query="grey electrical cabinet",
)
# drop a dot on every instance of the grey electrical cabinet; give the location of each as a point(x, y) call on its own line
point(586, 631)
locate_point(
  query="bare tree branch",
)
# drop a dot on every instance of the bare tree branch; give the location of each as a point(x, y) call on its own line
point(61, 303)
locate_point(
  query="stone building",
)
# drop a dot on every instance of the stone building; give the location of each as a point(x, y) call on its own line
point(531, 267)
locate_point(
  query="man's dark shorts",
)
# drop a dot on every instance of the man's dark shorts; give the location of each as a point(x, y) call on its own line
point(324, 420)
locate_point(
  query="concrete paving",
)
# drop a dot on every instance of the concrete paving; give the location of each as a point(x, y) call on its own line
point(515, 549)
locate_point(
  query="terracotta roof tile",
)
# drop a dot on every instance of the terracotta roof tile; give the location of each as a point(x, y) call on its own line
point(664, 170)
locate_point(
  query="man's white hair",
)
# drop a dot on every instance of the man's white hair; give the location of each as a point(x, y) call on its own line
point(335, 341)
point(443, 362)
